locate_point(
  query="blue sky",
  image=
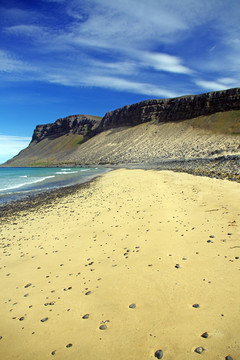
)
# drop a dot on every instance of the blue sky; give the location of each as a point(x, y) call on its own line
point(63, 57)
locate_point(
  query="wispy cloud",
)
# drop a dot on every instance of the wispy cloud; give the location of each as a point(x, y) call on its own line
point(219, 84)
point(11, 64)
point(131, 42)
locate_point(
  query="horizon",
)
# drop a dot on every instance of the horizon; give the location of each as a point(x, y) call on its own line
point(60, 57)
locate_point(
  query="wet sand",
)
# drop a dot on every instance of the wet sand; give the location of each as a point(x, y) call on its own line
point(151, 257)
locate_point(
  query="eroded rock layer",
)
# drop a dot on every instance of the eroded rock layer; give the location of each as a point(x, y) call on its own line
point(176, 109)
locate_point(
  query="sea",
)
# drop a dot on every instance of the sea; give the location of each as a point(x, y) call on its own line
point(17, 183)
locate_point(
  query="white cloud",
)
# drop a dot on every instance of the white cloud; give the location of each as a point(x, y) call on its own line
point(127, 42)
point(26, 30)
point(9, 63)
point(165, 62)
point(12, 145)
point(129, 86)
point(219, 84)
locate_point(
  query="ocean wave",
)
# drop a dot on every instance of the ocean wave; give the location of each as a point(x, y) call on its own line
point(17, 186)
point(66, 172)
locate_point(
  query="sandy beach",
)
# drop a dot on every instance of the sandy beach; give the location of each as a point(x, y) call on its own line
point(135, 262)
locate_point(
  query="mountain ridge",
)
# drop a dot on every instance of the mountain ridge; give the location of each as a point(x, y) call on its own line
point(86, 139)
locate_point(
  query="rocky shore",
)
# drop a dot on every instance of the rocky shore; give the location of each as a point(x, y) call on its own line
point(223, 167)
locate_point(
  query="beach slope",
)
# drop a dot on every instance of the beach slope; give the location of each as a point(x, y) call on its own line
point(136, 262)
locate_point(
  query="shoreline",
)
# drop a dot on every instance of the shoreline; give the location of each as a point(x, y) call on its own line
point(144, 258)
point(46, 198)
point(224, 168)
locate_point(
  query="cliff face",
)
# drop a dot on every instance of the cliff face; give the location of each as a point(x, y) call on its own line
point(74, 124)
point(142, 132)
point(176, 109)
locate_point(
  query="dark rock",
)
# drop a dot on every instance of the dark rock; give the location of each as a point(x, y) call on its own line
point(176, 109)
point(1, 337)
point(196, 306)
point(88, 293)
point(199, 350)
point(228, 357)
point(26, 286)
point(132, 306)
point(75, 124)
point(158, 354)
point(21, 318)
point(44, 319)
point(177, 266)
point(86, 316)
point(53, 352)
point(103, 327)
point(205, 335)
point(68, 345)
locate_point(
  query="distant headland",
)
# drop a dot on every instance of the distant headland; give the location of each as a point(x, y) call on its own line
point(186, 127)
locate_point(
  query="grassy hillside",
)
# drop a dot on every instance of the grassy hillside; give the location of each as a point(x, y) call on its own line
point(221, 123)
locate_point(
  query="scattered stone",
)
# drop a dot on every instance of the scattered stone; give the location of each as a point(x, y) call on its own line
point(86, 316)
point(228, 357)
point(199, 350)
point(158, 354)
point(21, 318)
point(212, 236)
point(88, 293)
point(53, 352)
point(132, 306)
point(29, 284)
point(177, 266)
point(103, 327)
point(68, 345)
point(196, 306)
point(0, 337)
point(209, 241)
point(205, 335)
point(44, 319)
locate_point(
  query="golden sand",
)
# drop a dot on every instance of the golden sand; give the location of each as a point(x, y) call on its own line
point(163, 241)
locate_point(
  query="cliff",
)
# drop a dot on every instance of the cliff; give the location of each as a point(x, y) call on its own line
point(176, 109)
point(74, 124)
point(186, 127)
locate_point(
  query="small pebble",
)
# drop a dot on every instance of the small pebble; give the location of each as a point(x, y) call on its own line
point(68, 345)
point(21, 318)
point(103, 327)
point(228, 357)
point(88, 293)
point(205, 335)
point(53, 352)
point(0, 337)
point(177, 266)
point(44, 319)
point(86, 316)
point(132, 306)
point(199, 350)
point(26, 286)
point(158, 354)
point(196, 306)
